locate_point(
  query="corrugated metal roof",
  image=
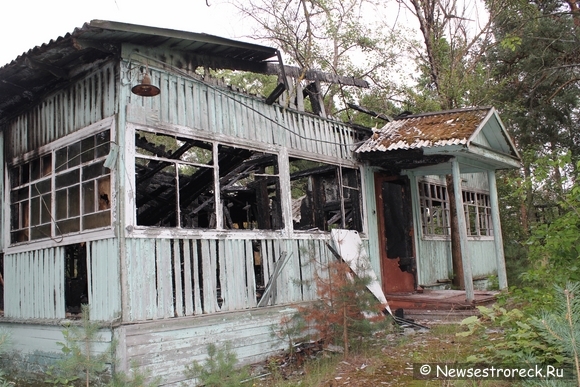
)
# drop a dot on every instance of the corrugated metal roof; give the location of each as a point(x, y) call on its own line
point(454, 127)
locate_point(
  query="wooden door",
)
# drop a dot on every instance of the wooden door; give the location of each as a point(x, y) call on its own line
point(398, 267)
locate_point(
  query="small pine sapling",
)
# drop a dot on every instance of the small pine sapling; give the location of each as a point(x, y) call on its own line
point(562, 326)
point(220, 368)
point(343, 306)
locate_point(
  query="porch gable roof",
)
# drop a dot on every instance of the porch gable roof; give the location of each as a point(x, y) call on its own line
point(476, 133)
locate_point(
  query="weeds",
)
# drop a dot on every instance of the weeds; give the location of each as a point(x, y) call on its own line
point(219, 369)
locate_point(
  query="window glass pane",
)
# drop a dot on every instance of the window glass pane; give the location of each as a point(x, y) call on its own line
point(67, 226)
point(35, 169)
point(61, 204)
point(35, 211)
point(15, 177)
point(15, 216)
point(61, 159)
point(102, 141)
point(46, 164)
point(74, 151)
point(41, 187)
point(74, 201)
point(89, 197)
point(93, 171)
point(19, 194)
point(24, 173)
point(19, 236)
point(67, 179)
point(45, 209)
point(97, 220)
point(88, 149)
point(40, 232)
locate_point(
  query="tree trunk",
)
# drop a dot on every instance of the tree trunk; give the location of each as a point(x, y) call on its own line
point(458, 280)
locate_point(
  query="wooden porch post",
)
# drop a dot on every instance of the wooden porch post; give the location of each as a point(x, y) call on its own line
point(465, 257)
point(498, 239)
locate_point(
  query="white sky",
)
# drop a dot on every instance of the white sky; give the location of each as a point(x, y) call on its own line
point(25, 24)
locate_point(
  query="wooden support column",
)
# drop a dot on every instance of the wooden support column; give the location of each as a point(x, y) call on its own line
point(497, 237)
point(465, 257)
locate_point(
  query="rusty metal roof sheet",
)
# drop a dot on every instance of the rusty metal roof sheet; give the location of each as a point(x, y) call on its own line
point(454, 127)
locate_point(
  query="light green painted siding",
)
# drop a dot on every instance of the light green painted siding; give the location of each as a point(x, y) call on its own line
point(85, 102)
point(181, 277)
point(198, 106)
point(34, 284)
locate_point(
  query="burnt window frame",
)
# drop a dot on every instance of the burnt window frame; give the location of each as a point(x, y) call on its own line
point(221, 178)
point(47, 199)
point(322, 218)
point(476, 208)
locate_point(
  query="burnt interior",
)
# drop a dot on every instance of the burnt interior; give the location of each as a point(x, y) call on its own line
point(75, 274)
point(175, 179)
point(324, 196)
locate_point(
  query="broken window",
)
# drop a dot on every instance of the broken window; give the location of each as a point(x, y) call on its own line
point(435, 210)
point(249, 189)
point(175, 179)
point(434, 203)
point(324, 196)
point(75, 274)
point(477, 209)
point(67, 190)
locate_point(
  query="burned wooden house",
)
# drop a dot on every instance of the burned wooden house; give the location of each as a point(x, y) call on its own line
point(185, 212)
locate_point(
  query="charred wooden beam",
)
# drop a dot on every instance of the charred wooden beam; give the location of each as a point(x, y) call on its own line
point(370, 112)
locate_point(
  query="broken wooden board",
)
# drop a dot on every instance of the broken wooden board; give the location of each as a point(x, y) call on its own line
point(350, 248)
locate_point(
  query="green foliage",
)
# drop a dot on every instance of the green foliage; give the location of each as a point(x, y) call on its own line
point(80, 362)
point(344, 309)
point(510, 338)
point(82, 365)
point(4, 341)
point(219, 369)
point(561, 328)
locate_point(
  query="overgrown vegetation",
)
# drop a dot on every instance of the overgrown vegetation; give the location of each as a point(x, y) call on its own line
point(220, 368)
point(82, 364)
point(344, 309)
point(4, 341)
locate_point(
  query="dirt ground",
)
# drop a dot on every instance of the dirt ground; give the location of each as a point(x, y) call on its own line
point(387, 361)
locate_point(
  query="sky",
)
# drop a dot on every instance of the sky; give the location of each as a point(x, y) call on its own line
point(25, 24)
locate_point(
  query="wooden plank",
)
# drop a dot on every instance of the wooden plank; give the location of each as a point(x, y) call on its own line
point(177, 278)
point(197, 279)
point(250, 275)
point(209, 275)
point(166, 293)
point(160, 281)
point(227, 283)
point(187, 278)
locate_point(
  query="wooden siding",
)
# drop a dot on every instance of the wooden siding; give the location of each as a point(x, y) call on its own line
point(169, 278)
point(435, 260)
point(34, 284)
point(104, 284)
point(191, 103)
point(166, 348)
point(85, 102)
point(483, 262)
